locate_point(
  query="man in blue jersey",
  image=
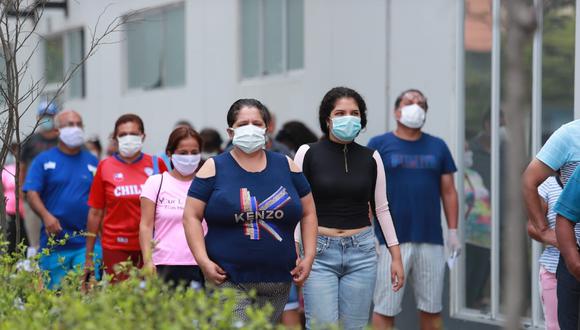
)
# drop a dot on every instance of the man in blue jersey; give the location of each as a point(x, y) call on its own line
point(419, 170)
point(57, 187)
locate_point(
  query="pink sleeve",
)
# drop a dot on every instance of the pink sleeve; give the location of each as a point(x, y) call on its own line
point(382, 205)
point(299, 160)
point(299, 157)
point(298, 234)
point(151, 187)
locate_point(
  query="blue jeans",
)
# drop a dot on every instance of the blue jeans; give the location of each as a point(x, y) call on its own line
point(341, 284)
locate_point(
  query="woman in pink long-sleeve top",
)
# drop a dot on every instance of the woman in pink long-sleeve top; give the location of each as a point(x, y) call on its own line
point(345, 178)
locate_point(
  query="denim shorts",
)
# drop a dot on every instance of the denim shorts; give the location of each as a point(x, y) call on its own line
point(293, 299)
point(60, 262)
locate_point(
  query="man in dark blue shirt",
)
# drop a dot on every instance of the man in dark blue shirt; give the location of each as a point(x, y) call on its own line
point(419, 170)
point(57, 186)
point(568, 273)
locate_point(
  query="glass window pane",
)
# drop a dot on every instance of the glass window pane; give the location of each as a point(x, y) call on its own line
point(144, 49)
point(75, 54)
point(273, 37)
point(477, 176)
point(295, 26)
point(174, 52)
point(54, 59)
point(557, 69)
point(250, 20)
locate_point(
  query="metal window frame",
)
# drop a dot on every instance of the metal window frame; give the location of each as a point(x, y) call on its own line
point(495, 151)
point(68, 63)
point(66, 44)
point(536, 144)
point(286, 71)
point(143, 14)
point(457, 275)
point(458, 309)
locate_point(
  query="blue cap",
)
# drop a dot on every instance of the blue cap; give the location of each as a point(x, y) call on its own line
point(46, 109)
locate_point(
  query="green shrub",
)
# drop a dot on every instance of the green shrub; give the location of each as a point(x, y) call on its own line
point(142, 302)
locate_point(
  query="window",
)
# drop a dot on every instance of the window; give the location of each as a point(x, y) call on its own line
point(272, 37)
point(548, 56)
point(62, 53)
point(156, 48)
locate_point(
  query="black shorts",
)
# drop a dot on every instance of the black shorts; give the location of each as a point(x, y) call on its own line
point(181, 275)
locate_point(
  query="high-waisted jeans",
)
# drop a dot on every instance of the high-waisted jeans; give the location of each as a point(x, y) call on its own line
point(341, 284)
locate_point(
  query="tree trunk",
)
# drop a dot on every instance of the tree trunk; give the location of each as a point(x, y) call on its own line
point(521, 23)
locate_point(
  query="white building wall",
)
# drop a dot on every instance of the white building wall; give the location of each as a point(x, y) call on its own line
point(344, 45)
point(422, 55)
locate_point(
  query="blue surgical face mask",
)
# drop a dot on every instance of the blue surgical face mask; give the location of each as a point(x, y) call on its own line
point(46, 124)
point(346, 128)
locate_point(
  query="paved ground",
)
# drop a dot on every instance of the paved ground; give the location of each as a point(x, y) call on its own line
point(408, 319)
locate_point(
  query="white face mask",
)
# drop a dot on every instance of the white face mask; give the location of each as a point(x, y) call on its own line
point(412, 116)
point(185, 164)
point(130, 145)
point(249, 138)
point(73, 137)
point(468, 158)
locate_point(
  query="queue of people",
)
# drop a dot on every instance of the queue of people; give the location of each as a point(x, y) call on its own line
point(270, 214)
point(551, 189)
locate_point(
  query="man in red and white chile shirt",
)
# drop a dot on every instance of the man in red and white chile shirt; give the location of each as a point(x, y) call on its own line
point(114, 197)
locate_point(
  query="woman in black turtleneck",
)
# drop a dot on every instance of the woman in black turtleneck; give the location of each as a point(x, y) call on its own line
point(346, 178)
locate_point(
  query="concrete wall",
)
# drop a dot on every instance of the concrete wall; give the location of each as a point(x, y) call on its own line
point(422, 54)
point(345, 44)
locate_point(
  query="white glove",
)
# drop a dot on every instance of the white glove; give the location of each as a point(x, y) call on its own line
point(453, 244)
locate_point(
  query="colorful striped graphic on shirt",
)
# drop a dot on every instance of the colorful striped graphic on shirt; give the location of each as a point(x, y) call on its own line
point(250, 205)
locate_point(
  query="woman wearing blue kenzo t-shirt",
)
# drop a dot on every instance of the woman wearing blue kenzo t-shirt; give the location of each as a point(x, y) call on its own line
point(252, 200)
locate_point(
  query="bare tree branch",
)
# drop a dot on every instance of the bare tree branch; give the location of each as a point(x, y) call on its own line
point(15, 37)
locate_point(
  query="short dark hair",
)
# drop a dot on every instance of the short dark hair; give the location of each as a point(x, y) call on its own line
point(250, 103)
point(184, 122)
point(486, 118)
point(329, 101)
point(211, 139)
point(126, 118)
point(181, 133)
point(294, 134)
point(410, 90)
point(94, 140)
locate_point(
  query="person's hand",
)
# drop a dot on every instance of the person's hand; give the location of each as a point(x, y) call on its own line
point(149, 268)
point(397, 275)
point(453, 244)
point(302, 270)
point(548, 236)
point(51, 225)
point(89, 275)
point(213, 273)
